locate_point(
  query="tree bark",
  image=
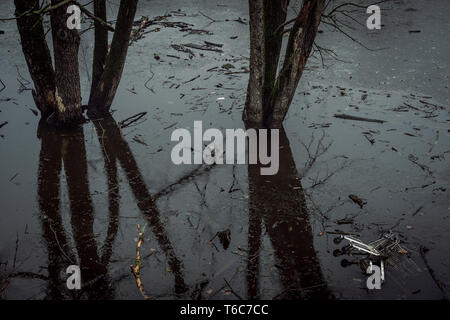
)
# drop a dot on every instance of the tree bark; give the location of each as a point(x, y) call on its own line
point(269, 96)
point(103, 95)
point(274, 16)
point(253, 113)
point(65, 49)
point(37, 56)
point(100, 46)
point(298, 49)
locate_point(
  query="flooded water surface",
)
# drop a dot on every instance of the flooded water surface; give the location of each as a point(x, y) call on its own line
point(77, 196)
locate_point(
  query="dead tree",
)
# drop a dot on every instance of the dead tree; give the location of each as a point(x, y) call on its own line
point(57, 91)
point(269, 94)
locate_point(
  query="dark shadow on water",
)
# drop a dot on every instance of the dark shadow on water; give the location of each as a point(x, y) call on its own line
point(277, 202)
point(66, 149)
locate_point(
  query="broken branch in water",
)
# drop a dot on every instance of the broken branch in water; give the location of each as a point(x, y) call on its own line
point(137, 269)
point(128, 121)
point(349, 117)
point(231, 289)
point(206, 47)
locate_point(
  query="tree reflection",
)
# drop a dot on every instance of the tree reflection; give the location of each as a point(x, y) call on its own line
point(66, 149)
point(278, 203)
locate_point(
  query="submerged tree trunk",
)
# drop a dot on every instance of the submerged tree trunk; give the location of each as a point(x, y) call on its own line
point(269, 96)
point(253, 113)
point(65, 50)
point(103, 95)
point(37, 56)
point(100, 45)
point(299, 47)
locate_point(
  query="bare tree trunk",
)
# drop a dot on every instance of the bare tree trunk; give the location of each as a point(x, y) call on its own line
point(103, 96)
point(274, 16)
point(100, 46)
point(37, 56)
point(269, 97)
point(253, 113)
point(299, 47)
point(278, 202)
point(65, 47)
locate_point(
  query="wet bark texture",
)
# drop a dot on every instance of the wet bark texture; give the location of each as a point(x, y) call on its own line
point(57, 91)
point(253, 113)
point(100, 46)
point(37, 56)
point(103, 95)
point(269, 96)
point(65, 50)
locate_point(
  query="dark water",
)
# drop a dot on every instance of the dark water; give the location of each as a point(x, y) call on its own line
point(76, 197)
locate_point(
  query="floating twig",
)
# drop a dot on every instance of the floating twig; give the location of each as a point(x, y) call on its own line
point(349, 117)
point(137, 269)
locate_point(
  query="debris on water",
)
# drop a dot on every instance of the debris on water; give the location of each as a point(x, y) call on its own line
point(350, 117)
point(357, 200)
point(240, 20)
point(369, 138)
point(425, 168)
point(3, 124)
point(206, 47)
point(138, 140)
point(224, 237)
point(385, 251)
point(345, 221)
point(181, 48)
point(228, 66)
point(130, 120)
point(213, 44)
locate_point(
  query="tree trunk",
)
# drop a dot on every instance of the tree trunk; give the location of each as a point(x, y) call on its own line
point(65, 49)
point(37, 56)
point(299, 47)
point(269, 97)
point(274, 16)
point(100, 44)
point(253, 113)
point(103, 96)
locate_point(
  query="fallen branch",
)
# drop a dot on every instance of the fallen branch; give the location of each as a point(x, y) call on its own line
point(137, 269)
point(205, 47)
point(349, 117)
point(128, 121)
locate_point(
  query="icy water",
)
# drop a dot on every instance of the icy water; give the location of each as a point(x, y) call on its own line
point(76, 197)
